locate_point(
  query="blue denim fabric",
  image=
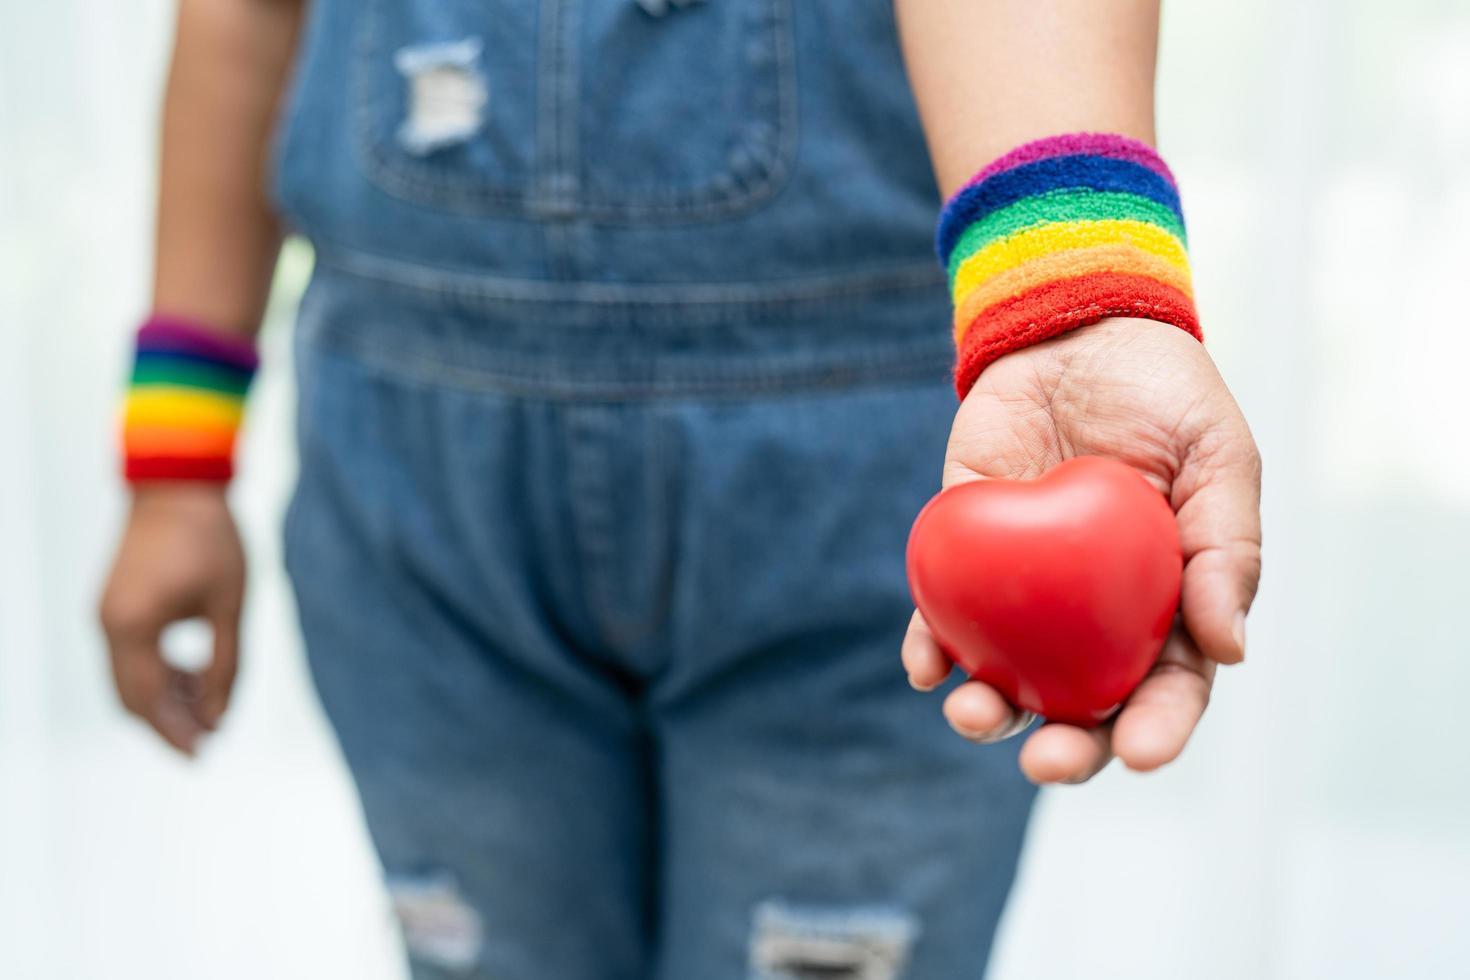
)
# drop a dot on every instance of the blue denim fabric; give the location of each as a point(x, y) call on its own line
point(622, 376)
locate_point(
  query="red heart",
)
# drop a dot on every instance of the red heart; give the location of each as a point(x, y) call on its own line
point(1058, 592)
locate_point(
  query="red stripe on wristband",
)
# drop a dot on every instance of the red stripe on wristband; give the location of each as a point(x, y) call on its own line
point(1066, 304)
point(213, 470)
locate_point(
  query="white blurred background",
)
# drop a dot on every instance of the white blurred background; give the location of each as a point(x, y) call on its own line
point(1319, 825)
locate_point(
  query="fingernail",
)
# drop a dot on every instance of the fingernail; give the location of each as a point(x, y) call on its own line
point(921, 687)
point(969, 735)
point(1238, 631)
point(1017, 724)
point(1020, 723)
point(186, 688)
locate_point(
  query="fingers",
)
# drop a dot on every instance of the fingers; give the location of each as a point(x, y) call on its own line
point(979, 713)
point(923, 661)
point(1162, 712)
point(147, 686)
point(976, 711)
point(1220, 536)
point(172, 718)
point(153, 691)
point(1057, 753)
point(1150, 731)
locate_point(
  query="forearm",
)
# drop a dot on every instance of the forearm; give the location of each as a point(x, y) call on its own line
point(989, 75)
point(217, 238)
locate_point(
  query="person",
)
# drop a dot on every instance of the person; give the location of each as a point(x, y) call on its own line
point(624, 369)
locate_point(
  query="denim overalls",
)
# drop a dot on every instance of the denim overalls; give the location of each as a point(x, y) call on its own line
point(623, 373)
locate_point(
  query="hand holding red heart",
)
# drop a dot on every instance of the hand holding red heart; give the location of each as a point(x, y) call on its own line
point(1147, 395)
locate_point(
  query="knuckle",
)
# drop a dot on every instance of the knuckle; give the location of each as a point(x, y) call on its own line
point(131, 701)
point(123, 614)
point(108, 613)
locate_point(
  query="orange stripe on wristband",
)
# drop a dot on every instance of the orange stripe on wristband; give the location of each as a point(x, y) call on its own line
point(163, 440)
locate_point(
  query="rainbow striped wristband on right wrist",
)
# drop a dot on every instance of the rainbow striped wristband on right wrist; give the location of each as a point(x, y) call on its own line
point(185, 401)
point(1057, 234)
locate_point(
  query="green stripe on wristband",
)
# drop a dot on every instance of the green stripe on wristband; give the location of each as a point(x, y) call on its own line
point(190, 375)
point(1062, 205)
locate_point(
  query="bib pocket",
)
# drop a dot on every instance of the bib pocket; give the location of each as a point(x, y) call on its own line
point(600, 109)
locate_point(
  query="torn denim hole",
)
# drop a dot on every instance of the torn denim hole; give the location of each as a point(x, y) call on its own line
point(439, 926)
point(447, 93)
point(827, 943)
point(657, 8)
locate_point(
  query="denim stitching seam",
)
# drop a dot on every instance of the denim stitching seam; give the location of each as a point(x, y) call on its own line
point(478, 288)
point(538, 381)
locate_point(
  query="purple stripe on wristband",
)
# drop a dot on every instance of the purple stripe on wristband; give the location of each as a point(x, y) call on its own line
point(1097, 144)
point(163, 332)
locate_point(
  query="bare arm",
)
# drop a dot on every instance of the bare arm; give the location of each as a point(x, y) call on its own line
point(992, 74)
point(217, 241)
point(989, 75)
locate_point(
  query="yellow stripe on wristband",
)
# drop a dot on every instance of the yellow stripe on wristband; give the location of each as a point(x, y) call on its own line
point(165, 405)
point(1033, 243)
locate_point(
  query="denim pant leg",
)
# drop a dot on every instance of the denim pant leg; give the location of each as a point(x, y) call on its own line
point(819, 816)
point(608, 624)
point(503, 780)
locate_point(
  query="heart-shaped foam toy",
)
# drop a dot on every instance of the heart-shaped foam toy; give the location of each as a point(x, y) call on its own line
point(1058, 592)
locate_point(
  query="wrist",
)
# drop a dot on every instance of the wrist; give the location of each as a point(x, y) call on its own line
point(187, 499)
point(151, 492)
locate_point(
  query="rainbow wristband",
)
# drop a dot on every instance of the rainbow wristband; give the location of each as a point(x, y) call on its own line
point(185, 401)
point(1057, 234)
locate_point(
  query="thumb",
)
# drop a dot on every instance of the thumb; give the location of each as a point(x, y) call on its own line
point(1218, 500)
point(1001, 435)
point(218, 679)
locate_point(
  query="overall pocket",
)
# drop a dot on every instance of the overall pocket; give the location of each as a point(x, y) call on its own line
point(562, 108)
